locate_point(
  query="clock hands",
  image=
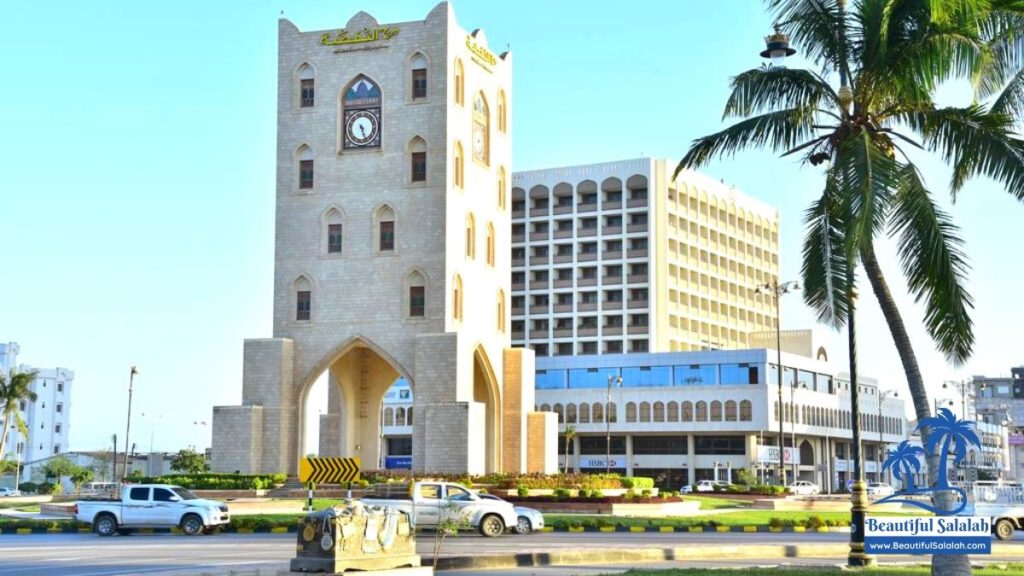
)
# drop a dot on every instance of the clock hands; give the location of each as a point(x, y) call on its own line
point(362, 129)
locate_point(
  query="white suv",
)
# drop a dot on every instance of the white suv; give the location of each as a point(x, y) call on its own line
point(709, 485)
point(880, 489)
point(9, 492)
point(804, 488)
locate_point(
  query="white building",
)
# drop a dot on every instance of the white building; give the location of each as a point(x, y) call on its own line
point(47, 418)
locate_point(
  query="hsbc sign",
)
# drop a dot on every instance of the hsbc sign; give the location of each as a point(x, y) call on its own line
point(770, 455)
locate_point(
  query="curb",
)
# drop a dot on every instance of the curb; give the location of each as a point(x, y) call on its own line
point(85, 529)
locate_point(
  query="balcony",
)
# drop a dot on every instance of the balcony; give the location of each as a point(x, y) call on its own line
point(612, 305)
point(563, 333)
point(638, 329)
point(636, 279)
point(584, 332)
point(638, 304)
point(537, 260)
point(518, 335)
point(636, 227)
point(562, 258)
point(613, 255)
point(611, 280)
point(518, 214)
point(563, 283)
point(539, 212)
point(637, 253)
point(563, 208)
point(612, 205)
point(519, 311)
point(589, 207)
point(563, 233)
point(539, 308)
point(518, 236)
point(613, 330)
point(539, 334)
point(586, 257)
point(636, 203)
point(560, 308)
point(586, 282)
point(586, 307)
point(542, 235)
point(518, 285)
point(586, 232)
point(539, 284)
point(608, 230)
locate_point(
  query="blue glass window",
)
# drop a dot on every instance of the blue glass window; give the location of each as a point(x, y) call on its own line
point(805, 378)
point(696, 375)
point(740, 374)
point(647, 376)
point(550, 379)
point(592, 377)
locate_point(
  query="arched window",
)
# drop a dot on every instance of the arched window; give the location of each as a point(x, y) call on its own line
point(333, 232)
point(306, 86)
point(584, 413)
point(458, 169)
point(673, 411)
point(389, 417)
point(481, 130)
point(408, 416)
point(418, 66)
point(457, 298)
point(702, 411)
point(417, 160)
point(544, 408)
point(630, 412)
point(303, 289)
point(645, 412)
point(490, 244)
point(716, 411)
point(687, 411)
point(470, 236)
point(502, 112)
point(417, 289)
point(361, 115)
point(597, 413)
point(557, 409)
point(385, 229)
point(730, 411)
point(400, 417)
point(305, 158)
point(502, 187)
point(501, 311)
point(746, 412)
point(570, 413)
point(659, 412)
point(460, 83)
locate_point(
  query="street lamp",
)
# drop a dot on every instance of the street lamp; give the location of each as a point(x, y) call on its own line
point(608, 424)
point(777, 48)
point(792, 425)
point(775, 289)
point(963, 388)
point(128, 428)
point(881, 442)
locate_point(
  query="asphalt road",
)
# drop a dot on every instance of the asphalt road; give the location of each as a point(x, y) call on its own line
point(90, 555)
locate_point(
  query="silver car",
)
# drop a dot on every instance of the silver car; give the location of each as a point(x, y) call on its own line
point(527, 519)
point(9, 492)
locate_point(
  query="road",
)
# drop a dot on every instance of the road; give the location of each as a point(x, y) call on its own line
point(90, 555)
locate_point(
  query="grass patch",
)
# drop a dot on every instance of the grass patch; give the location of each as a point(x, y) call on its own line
point(716, 502)
point(921, 570)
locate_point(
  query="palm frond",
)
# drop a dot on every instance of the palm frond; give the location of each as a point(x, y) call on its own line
point(825, 261)
point(814, 25)
point(780, 130)
point(1002, 28)
point(762, 89)
point(869, 175)
point(931, 255)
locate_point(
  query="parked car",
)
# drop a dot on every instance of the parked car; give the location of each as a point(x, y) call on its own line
point(528, 520)
point(880, 489)
point(9, 492)
point(426, 501)
point(686, 489)
point(152, 506)
point(710, 485)
point(804, 488)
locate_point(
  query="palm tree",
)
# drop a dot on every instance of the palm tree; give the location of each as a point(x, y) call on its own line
point(904, 463)
point(15, 388)
point(947, 429)
point(570, 434)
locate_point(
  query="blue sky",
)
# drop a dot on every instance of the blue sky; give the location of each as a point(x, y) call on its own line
point(137, 164)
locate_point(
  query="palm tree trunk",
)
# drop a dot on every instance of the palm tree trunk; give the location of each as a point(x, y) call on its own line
point(3, 434)
point(942, 565)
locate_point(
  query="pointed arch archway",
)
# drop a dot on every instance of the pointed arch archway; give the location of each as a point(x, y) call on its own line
point(487, 392)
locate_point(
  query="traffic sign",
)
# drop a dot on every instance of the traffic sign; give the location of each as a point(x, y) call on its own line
point(329, 470)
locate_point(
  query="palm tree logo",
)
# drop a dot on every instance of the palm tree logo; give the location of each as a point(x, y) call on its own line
point(904, 462)
point(946, 434)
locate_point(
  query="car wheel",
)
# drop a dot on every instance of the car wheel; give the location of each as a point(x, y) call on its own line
point(1003, 529)
point(192, 524)
point(492, 526)
point(105, 525)
point(523, 525)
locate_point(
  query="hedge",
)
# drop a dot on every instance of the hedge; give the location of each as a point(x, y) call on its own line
point(217, 481)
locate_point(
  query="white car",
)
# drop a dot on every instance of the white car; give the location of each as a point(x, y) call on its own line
point(880, 489)
point(9, 492)
point(529, 520)
point(709, 485)
point(804, 488)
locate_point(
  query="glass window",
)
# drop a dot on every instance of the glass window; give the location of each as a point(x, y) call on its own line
point(400, 446)
point(592, 377)
point(825, 383)
point(646, 376)
point(139, 494)
point(306, 86)
point(161, 495)
point(550, 379)
point(598, 445)
point(430, 491)
point(334, 238)
point(805, 379)
point(719, 445)
point(457, 493)
point(696, 375)
point(303, 305)
point(739, 374)
point(419, 83)
point(387, 235)
point(417, 301)
point(305, 174)
point(659, 445)
point(183, 493)
point(419, 166)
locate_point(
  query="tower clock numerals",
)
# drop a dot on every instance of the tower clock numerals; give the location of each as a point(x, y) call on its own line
point(361, 129)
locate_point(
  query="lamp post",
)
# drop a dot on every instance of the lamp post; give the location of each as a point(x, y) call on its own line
point(962, 387)
point(792, 426)
point(608, 424)
point(881, 442)
point(775, 289)
point(128, 428)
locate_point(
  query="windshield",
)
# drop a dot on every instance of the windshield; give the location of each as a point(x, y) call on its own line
point(183, 494)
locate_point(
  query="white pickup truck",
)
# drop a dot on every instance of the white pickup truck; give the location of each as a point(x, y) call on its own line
point(427, 501)
point(152, 506)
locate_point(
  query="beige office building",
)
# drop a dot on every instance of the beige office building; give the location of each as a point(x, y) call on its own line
point(619, 257)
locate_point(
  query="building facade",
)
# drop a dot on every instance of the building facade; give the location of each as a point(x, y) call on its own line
point(391, 255)
point(620, 258)
point(47, 419)
point(1000, 400)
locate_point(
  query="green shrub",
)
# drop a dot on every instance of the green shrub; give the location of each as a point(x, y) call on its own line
point(815, 522)
point(522, 491)
point(583, 493)
point(48, 488)
point(364, 483)
point(743, 476)
point(561, 494)
point(211, 481)
point(775, 522)
point(596, 494)
point(482, 491)
point(28, 487)
point(637, 482)
point(646, 492)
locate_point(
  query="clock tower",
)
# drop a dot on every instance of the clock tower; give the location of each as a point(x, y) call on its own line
point(392, 257)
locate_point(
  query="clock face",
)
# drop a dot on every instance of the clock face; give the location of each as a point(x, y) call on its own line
point(479, 143)
point(362, 129)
